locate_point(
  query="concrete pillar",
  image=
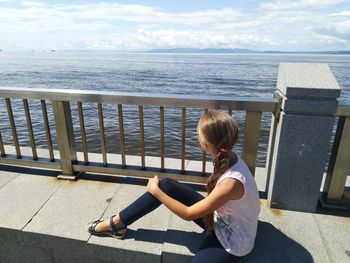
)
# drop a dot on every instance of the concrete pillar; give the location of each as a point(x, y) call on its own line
point(303, 134)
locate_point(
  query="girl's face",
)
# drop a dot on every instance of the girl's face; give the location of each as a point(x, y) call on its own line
point(205, 145)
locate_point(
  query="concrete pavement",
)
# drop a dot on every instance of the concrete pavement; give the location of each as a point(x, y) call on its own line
point(43, 219)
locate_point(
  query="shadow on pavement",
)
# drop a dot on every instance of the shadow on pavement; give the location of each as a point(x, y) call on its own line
point(271, 245)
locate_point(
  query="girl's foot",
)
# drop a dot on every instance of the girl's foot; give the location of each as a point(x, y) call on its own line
point(103, 226)
point(112, 227)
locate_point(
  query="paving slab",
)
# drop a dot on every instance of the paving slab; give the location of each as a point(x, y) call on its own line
point(284, 236)
point(143, 242)
point(21, 199)
point(6, 177)
point(335, 233)
point(260, 178)
point(62, 221)
point(58, 212)
point(182, 240)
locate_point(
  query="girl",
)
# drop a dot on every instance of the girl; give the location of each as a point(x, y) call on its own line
point(230, 211)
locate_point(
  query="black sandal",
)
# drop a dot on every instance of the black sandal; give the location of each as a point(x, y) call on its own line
point(116, 233)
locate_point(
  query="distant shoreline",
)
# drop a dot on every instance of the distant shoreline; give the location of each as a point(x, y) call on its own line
point(246, 51)
point(200, 51)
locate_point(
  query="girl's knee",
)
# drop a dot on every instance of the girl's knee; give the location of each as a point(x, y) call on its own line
point(166, 184)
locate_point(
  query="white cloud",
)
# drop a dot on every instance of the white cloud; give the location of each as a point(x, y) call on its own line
point(343, 27)
point(140, 13)
point(297, 4)
point(198, 39)
point(31, 3)
point(124, 26)
point(339, 29)
point(343, 13)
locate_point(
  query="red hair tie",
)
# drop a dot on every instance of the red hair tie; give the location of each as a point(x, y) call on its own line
point(223, 150)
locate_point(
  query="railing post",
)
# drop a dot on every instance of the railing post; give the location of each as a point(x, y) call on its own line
point(338, 168)
point(303, 135)
point(251, 139)
point(65, 138)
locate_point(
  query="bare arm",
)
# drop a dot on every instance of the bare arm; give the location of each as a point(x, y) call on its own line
point(226, 190)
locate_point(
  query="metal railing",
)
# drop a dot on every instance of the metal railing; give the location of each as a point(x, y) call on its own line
point(68, 162)
point(339, 163)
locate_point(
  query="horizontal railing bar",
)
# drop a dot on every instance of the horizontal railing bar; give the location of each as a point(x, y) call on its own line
point(28, 161)
point(146, 99)
point(343, 109)
point(114, 169)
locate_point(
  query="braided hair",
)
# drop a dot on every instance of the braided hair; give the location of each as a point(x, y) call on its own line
point(219, 131)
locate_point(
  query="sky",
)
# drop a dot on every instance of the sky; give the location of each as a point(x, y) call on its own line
point(151, 24)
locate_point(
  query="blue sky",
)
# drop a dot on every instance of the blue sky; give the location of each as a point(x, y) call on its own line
point(143, 25)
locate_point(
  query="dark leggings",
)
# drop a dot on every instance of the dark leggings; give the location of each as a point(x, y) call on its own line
point(211, 249)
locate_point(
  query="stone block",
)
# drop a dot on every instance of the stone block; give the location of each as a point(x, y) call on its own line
point(335, 233)
point(21, 253)
point(299, 160)
point(62, 256)
point(260, 178)
point(182, 240)
point(6, 177)
point(23, 197)
point(287, 236)
point(310, 107)
point(143, 242)
point(62, 221)
point(307, 81)
point(11, 235)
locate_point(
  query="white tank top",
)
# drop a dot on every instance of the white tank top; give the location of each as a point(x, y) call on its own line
point(235, 223)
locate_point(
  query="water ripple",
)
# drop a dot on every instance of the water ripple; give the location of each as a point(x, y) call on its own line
point(213, 74)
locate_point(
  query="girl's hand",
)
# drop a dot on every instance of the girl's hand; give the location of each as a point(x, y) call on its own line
point(153, 185)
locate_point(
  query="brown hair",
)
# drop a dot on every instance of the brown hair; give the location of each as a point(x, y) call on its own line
point(218, 130)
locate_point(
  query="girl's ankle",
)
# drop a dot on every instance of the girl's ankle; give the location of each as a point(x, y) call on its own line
point(118, 222)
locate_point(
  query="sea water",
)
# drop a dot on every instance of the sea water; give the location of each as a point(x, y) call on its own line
point(247, 75)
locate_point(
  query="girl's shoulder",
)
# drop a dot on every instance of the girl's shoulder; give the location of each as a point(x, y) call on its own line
point(239, 171)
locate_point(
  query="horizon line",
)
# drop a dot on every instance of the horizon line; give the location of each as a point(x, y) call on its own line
point(180, 50)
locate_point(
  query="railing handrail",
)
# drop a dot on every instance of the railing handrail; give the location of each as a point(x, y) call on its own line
point(154, 99)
